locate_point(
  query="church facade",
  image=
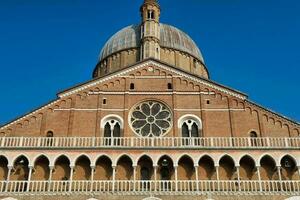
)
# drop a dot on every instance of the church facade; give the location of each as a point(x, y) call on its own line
point(150, 125)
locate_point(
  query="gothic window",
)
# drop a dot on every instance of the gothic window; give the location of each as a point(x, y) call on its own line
point(185, 130)
point(195, 130)
point(170, 86)
point(190, 129)
point(112, 128)
point(151, 118)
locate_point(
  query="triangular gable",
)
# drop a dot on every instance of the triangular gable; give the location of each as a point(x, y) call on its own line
point(154, 63)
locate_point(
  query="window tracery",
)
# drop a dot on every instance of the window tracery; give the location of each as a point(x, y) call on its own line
point(151, 118)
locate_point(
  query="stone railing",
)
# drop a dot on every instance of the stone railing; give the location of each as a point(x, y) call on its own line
point(151, 143)
point(152, 187)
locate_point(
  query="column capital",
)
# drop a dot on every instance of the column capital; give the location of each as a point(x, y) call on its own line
point(93, 166)
point(196, 165)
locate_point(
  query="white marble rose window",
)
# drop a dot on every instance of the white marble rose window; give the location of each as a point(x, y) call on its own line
point(151, 119)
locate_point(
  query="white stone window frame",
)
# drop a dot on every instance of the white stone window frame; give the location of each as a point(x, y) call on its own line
point(113, 120)
point(194, 119)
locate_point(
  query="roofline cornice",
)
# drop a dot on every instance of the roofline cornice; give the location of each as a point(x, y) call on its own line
point(152, 62)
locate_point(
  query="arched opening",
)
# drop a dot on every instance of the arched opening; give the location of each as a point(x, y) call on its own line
point(82, 170)
point(186, 168)
point(195, 130)
point(3, 168)
point(117, 130)
point(247, 168)
point(226, 169)
point(103, 170)
point(185, 130)
point(145, 170)
point(165, 171)
point(253, 136)
point(206, 168)
point(288, 168)
point(20, 170)
point(107, 131)
point(190, 126)
point(112, 129)
point(190, 129)
point(62, 169)
point(165, 168)
point(124, 169)
point(49, 136)
point(41, 169)
point(268, 168)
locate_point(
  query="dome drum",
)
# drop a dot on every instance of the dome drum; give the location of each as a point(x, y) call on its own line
point(176, 49)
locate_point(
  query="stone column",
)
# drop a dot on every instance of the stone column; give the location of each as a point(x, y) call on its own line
point(29, 177)
point(279, 173)
point(114, 178)
point(155, 177)
point(176, 178)
point(218, 178)
point(8, 177)
point(197, 176)
point(298, 170)
point(259, 177)
point(279, 176)
point(92, 177)
point(50, 177)
point(71, 177)
point(238, 177)
point(134, 177)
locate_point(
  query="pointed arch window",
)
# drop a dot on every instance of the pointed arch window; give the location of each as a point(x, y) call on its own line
point(190, 126)
point(112, 129)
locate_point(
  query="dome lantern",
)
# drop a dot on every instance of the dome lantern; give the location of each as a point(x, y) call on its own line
point(150, 33)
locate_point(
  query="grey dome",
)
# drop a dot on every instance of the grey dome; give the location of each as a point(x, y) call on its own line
point(170, 37)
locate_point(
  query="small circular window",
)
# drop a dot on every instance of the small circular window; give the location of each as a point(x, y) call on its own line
point(151, 118)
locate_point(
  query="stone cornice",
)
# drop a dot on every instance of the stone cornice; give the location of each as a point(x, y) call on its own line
point(151, 62)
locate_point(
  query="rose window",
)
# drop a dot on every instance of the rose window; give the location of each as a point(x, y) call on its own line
point(151, 118)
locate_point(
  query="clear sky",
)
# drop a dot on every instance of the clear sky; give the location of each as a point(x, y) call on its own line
point(50, 45)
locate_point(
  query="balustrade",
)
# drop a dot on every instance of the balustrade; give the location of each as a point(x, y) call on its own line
point(120, 186)
point(150, 142)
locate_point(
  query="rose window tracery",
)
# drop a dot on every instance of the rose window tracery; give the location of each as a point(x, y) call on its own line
point(151, 118)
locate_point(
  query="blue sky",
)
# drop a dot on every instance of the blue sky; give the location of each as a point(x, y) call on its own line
point(50, 45)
